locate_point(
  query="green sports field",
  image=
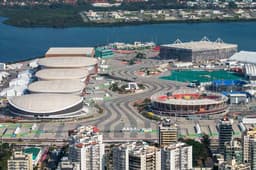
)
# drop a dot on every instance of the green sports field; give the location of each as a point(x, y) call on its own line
point(201, 75)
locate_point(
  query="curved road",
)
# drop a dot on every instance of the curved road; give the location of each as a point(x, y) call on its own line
point(119, 112)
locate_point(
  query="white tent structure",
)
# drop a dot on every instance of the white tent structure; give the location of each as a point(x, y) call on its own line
point(245, 57)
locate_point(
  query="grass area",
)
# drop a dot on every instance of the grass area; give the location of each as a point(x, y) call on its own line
point(106, 98)
point(42, 16)
point(102, 86)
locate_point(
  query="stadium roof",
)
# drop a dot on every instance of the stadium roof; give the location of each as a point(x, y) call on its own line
point(201, 45)
point(56, 86)
point(67, 62)
point(59, 74)
point(70, 51)
point(202, 101)
point(245, 57)
point(44, 103)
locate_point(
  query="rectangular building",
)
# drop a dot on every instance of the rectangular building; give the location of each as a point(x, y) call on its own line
point(70, 52)
point(249, 147)
point(225, 133)
point(86, 148)
point(136, 156)
point(177, 157)
point(168, 133)
point(197, 51)
point(233, 150)
point(20, 160)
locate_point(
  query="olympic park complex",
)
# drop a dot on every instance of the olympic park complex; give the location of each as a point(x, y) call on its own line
point(58, 91)
point(188, 102)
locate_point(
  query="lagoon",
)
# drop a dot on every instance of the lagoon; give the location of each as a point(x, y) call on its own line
point(17, 43)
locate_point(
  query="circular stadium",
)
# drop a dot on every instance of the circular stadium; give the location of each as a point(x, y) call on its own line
point(74, 86)
point(188, 102)
point(60, 74)
point(70, 62)
point(46, 106)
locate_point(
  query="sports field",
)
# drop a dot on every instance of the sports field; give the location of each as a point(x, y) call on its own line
point(201, 75)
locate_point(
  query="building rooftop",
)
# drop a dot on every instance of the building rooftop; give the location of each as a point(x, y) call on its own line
point(57, 74)
point(67, 62)
point(85, 135)
point(201, 45)
point(139, 148)
point(57, 86)
point(189, 97)
point(176, 145)
point(44, 103)
point(64, 51)
point(245, 57)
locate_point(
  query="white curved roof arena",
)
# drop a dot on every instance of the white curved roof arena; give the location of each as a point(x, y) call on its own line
point(57, 86)
point(44, 103)
point(67, 62)
point(58, 74)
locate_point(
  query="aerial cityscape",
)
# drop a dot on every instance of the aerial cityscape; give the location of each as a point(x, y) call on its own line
point(127, 85)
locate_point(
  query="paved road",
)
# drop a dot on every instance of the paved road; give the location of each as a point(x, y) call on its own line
point(119, 112)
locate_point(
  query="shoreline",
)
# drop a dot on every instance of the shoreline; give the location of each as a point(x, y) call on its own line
point(124, 24)
point(24, 60)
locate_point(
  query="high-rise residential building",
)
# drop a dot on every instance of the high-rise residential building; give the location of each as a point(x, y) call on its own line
point(86, 147)
point(176, 157)
point(168, 133)
point(20, 160)
point(249, 147)
point(225, 133)
point(136, 156)
point(233, 150)
point(253, 153)
point(233, 165)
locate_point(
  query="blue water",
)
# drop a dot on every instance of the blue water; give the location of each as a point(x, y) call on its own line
point(22, 43)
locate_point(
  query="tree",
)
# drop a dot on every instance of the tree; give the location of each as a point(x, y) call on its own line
point(140, 56)
point(232, 4)
point(206, 141)
point(200, 152)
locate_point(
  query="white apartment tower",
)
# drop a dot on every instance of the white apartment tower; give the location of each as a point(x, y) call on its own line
point(136, 156)
point(177, 157)
point(249, 148)
point(86, 148)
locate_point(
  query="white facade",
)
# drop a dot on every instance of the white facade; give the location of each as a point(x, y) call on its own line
point(86, 148)
point(2, 66)
point(249, 149)
point(177, 157)
point(245, 57)
point(136, 156)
